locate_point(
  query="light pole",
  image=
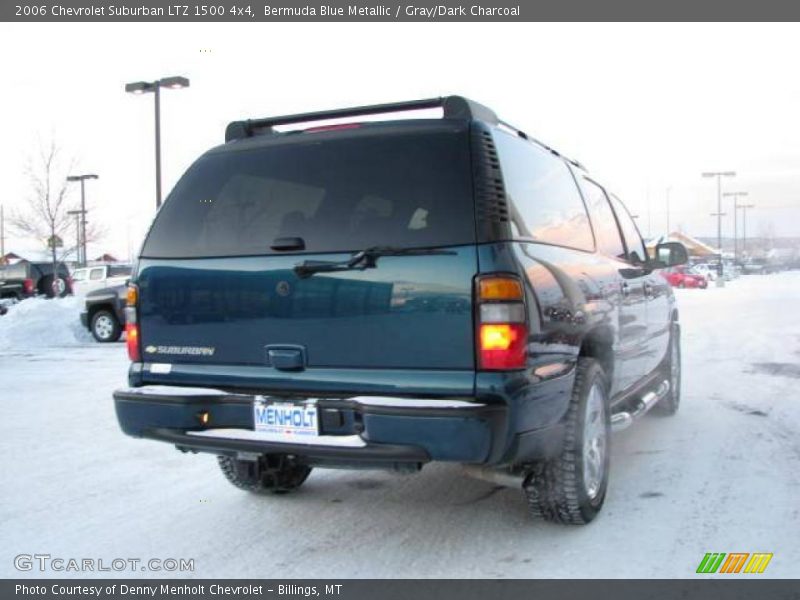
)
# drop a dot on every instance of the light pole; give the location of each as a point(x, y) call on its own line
point(82, 241)
point(744, 208)
point(719, 175)
point(735, 196)
point(143, 87)
point(77, 214)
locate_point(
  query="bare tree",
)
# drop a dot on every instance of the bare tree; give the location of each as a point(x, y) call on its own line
point(45, 215)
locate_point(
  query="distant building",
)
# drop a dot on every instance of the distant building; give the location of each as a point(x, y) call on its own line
point(105, 258)
point(694, 247)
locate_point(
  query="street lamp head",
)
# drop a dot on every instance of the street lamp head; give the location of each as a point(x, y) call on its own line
point(82, 177)
point(139, 87)
point(734, 194)
point(174, 83)
point(719, 174)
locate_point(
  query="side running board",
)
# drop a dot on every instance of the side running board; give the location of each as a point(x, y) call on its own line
point(623, 420)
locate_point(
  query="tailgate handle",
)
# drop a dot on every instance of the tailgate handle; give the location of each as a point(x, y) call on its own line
point(286, 358)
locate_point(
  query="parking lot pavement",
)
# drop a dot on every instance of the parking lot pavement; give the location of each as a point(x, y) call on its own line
point(721, 476)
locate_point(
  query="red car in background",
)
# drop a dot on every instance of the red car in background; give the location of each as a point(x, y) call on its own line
point(682, 277)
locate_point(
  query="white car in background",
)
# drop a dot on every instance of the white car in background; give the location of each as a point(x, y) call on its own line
point(706, 270)
point(86, 279)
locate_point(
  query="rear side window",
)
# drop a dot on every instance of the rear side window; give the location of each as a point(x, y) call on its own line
point(544, 194)
point(606, 230)
point(633, 241)
point(119, 271)
point(407, 186)
point(96, 274)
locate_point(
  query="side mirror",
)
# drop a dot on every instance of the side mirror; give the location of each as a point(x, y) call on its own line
point(670, 254)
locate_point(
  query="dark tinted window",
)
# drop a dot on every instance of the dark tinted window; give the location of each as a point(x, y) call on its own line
point(606, 231)
point(119, 270)
point(401, 185)
point(544, 194)
point(633, 241)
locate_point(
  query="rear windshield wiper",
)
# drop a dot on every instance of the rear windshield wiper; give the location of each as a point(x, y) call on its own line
point(364, 259)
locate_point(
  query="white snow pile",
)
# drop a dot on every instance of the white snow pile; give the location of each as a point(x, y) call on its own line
point(42, 322)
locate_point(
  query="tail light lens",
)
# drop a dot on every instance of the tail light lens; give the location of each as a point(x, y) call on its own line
point(132, 325)
point(502, 324)
point(27, 286)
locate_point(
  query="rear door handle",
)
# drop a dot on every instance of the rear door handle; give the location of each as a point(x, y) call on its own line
point(626, 290)
point(648, 289)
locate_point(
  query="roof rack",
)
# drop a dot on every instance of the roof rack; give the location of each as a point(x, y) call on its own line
point(454, 107)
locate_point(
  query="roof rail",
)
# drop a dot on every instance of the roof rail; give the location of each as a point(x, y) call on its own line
point(455, 107)
point(572, 161)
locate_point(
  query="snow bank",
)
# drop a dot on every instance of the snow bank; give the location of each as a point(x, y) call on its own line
point(40, 322)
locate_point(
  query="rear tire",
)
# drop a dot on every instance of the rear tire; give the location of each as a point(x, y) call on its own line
point(53, 287)
point(571, 487)
point(671, 369)
point(271, 473)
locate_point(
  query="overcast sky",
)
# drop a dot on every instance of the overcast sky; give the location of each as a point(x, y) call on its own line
point(644, 107)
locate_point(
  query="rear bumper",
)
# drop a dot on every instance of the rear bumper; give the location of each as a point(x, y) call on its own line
point(359, 429)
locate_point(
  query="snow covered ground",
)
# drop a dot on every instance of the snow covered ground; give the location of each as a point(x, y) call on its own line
point(721, 476)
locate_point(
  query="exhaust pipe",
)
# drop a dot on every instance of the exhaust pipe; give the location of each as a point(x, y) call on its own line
point(496, 476)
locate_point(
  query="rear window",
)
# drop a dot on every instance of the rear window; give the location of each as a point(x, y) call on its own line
point(406, 186)
point(119, 271)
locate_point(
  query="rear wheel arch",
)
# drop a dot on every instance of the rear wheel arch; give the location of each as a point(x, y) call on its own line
point(92, 309)
point(598, 344)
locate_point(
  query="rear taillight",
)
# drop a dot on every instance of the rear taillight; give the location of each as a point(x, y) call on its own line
point(132, 324)
point(502, 336)
point(27, 286)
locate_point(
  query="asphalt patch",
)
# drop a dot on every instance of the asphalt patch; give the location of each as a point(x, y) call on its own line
point(775, 368)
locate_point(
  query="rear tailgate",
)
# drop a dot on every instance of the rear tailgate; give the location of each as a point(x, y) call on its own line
point(409, 312)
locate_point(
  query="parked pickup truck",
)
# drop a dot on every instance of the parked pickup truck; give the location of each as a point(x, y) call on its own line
point(87, 279)
point(104, 313)
point(25, 279)
point(393, 293)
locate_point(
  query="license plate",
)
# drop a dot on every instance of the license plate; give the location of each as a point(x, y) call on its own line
point(285, 419)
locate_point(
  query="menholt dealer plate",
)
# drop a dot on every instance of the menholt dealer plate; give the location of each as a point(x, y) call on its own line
point(284, 418)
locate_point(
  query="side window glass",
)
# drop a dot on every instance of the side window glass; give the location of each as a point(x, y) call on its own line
point(606, 230)
point(96, 274)
point(633, 241)
point(543, 194)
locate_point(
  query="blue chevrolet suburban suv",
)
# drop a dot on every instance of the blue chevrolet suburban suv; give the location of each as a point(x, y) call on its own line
point(389, 293)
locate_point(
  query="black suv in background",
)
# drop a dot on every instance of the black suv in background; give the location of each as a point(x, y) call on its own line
point(392, 293)
point(26, 279)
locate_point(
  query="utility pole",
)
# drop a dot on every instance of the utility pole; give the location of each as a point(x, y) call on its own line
point(735, 196)
point(82, 241)
point(719, 175)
